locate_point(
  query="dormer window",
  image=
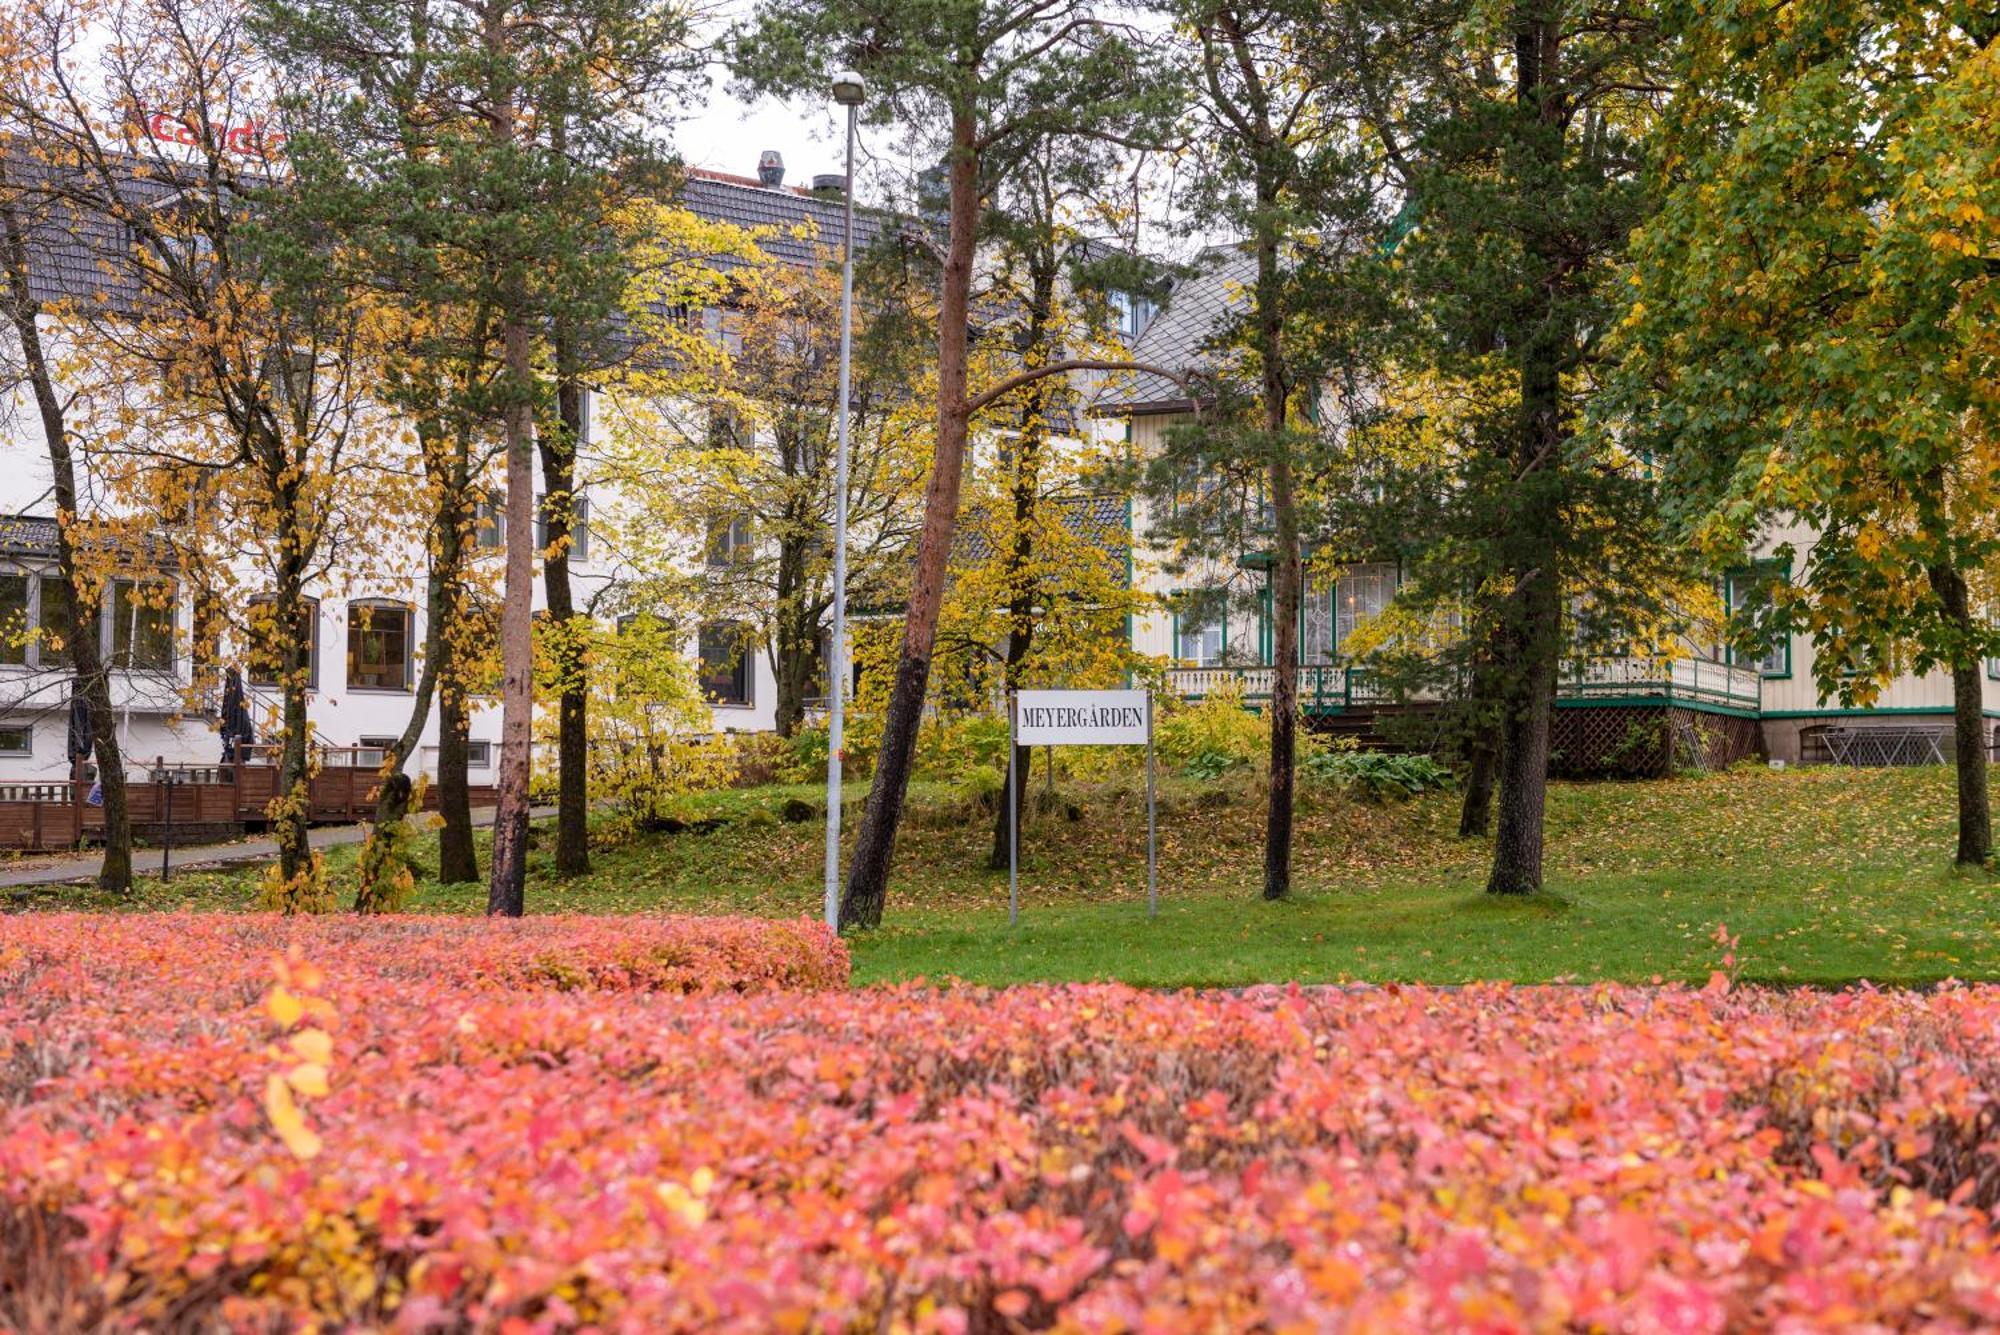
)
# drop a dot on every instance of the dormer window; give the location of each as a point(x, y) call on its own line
point(1130, 312)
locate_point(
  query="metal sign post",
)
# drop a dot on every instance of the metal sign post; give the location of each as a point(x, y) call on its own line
point(1152, 841)
point(1078, 718)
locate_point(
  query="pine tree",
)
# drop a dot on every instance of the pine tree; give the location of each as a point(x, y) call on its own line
point(981, 82)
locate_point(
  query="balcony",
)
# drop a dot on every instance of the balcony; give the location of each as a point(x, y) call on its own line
point(1325, 688)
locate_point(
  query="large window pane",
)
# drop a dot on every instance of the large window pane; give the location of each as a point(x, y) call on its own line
point(725, 664)
point(52, 641)
point(142, 625)
point(378, 647)
point(1316, 628)
point(1200, 641)
point(267, 644)
point(1361, 593)
point(15, 629)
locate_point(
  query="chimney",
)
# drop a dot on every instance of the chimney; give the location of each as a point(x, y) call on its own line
point(832, 184)
point(771, 167)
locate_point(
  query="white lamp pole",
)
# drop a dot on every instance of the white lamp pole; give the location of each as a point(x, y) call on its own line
point(848, 91)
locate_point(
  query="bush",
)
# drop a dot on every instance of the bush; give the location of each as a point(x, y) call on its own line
point(1213, 736)
point(499, 1126)
point(1376, 776)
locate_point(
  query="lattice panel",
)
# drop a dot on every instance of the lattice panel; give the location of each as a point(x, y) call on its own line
point(1640, 741)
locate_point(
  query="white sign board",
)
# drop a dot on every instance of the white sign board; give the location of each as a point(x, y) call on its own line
point(1081, 718)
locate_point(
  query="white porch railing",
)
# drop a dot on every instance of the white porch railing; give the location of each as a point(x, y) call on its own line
point(1322, 686)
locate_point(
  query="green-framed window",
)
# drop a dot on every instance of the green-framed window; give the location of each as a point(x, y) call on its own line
point(1747, 595)
point(1201, 638)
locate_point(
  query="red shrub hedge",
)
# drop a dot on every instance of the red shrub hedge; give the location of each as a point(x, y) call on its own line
point(372, 1133)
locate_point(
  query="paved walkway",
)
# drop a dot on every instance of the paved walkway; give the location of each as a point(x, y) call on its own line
point(76, 868)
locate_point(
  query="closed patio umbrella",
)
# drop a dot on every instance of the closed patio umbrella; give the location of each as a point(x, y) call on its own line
point(237, 729)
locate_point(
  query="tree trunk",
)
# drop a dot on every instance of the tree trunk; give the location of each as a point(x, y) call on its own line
point(1482, 747)
point(458, 858)
point(1975, 815)
point(291, 809)
point(1531, 622)
point(1475, 815)
point(559, 451)
point(392, 793)
point(507, 891)
point(115, 873)
point(1020, 627)
point(1020, 573)
point(1533, 642)
point(1288, 565)
point(797, 638)
point(868, 881)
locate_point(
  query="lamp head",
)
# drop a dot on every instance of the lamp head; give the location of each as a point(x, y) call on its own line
point(849, 89)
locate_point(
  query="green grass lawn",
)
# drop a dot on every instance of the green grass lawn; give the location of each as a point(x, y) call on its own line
point(1828, 876)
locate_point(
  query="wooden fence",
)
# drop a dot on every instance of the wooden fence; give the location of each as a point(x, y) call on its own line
point(48, 816)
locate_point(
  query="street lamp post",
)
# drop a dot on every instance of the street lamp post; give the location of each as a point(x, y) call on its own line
point(848, 91)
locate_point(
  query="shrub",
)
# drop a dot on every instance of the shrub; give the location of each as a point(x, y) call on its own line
point(1212, 736)
point(510, 1126)
point(1376, 776)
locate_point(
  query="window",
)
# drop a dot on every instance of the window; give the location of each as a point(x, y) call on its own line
point(729, 542)
point(1130, 312)
point(489, 525)
point(52, 621)
point(1361, 593)
point(479, 755)
point(15, 627)
point(1749, 597)
point(1199, 639)
point(142, 625)
point(374, 750)
point(579, 526)
point(378, 647)
point(266, 644)
point(1316, 628)
point(17, 739)
point(725, 664)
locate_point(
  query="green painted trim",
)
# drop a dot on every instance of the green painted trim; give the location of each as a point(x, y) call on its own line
point(1265, 629)
point(1867, 713)
point(1656, 701)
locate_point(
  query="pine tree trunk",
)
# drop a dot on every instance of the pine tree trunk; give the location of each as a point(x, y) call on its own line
point(115, 873)
point(1523, 772)
point(559, 451)
point(1975, 814)
point(868, 881)
point(1288, 566)
point(506, 892)
point(507, 889)
point(1531, 624)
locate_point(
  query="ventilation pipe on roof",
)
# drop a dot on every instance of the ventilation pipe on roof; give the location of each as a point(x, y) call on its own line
point(831, 184)
point(771, 167)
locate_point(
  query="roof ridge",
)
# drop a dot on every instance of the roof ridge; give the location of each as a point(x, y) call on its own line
point(748, 182)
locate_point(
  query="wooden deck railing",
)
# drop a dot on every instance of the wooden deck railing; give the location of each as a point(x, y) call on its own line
point(45, 816)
